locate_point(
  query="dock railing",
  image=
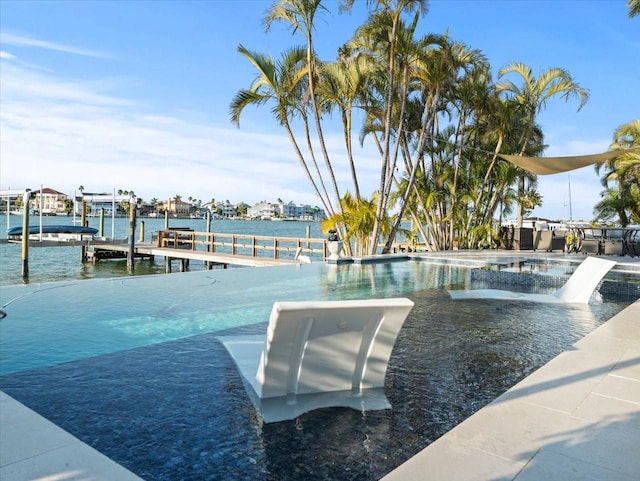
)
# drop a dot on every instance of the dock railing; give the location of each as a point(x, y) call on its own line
point(243, 244)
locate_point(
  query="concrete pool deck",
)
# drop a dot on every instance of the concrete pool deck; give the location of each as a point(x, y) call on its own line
point(33, 448)
point(575, 418)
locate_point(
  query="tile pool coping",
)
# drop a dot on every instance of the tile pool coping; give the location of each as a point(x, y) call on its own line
point(592, 389)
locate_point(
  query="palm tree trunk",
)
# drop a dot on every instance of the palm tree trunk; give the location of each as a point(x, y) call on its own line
point(411, 183)
point(327, 197)
point(305, 167)
point(484, 185)
point(382, 201)
point(346, 119)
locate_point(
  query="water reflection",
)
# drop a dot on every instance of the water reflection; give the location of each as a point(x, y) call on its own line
point(388, 279)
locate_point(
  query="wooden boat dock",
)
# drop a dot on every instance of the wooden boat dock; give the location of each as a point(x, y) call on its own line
point(146, 250)
point(214, 249)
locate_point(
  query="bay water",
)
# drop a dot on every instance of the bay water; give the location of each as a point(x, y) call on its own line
point(47, 264)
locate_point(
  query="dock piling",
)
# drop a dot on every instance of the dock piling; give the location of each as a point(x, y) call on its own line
point(101, 226)
point(83, 223)
point(141, 231)
point(26, 197)
point(208, 264)
point(132, 235)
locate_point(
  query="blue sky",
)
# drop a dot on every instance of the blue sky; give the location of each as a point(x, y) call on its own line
point(135, 95)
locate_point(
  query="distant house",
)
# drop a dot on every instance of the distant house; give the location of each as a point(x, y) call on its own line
point(300, 211)
point(262, 210)
point(176, 207)
point(10, 199)
point(147, 210)
point(49, 201)
point(226, 210)
point(109, 204)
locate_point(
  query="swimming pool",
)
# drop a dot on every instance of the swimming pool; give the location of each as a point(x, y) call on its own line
point(132, 367)
point(82, 319)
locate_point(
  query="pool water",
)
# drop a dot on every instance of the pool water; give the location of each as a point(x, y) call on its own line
point(133, 367)
point(52, 323)
point(533, 266)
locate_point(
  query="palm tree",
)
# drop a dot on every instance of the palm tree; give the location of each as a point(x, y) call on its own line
point(387, 21)
point(339, 86)
point(624, 173)
point(532, 96)
point(382, 40)
point(278, 84)
point(300, 15)
point(417, 118)
point(468, 91)
point(447, 80)
point(634, 7)
point(610, 207)
point(356, 218)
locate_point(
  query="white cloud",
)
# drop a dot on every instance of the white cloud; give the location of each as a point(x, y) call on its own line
point(24, 41)
point(6, 55)
point(30, 85)
point(64, 134)
point(577, 147)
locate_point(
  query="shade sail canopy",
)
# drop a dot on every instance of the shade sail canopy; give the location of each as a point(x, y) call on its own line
point(555, 165)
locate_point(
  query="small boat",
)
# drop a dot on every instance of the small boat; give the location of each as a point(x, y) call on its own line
point(53, 229)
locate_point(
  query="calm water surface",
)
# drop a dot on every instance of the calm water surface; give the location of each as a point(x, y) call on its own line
point(47, 264)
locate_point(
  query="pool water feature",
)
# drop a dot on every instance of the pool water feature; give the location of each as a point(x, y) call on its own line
point(153, 389)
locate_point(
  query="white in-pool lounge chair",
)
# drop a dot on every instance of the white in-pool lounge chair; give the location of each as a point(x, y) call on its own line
point(320, 354)
point(577, 289)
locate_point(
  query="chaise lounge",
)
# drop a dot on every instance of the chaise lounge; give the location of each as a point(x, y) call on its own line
point(320, 354)
point(577, 289)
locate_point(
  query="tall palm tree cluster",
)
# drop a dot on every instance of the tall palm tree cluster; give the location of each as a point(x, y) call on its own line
point(621, 178)
point(433, 113)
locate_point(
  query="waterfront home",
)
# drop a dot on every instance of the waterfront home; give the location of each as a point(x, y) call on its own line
point(109, 204)
point(9, 200)
point(226, 210)
point(300, 211)
point(46, 200)
point(176, 208)
point(50, 202)
point(262, 210)
point(268, 211)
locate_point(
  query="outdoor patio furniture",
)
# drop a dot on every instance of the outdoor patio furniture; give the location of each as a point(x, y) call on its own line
point(577, 289)
point(592, 242)
point(549, 240)
point(320, 354)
